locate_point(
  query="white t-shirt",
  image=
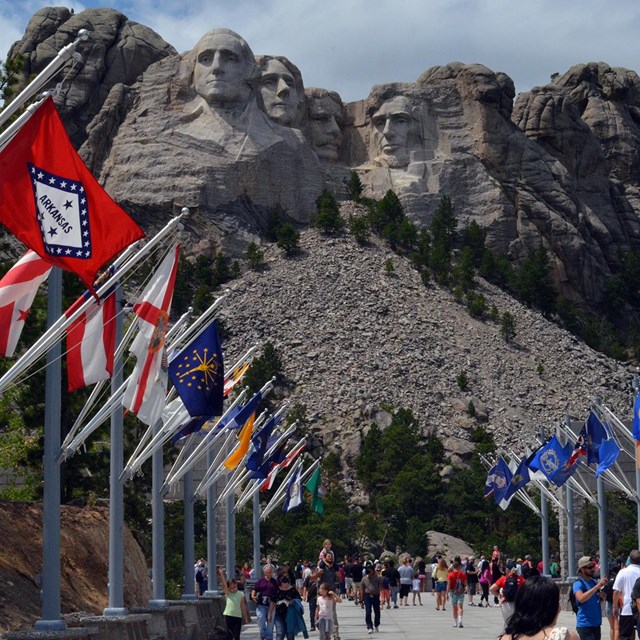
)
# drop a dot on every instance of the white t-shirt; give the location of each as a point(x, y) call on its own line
point(624, 582)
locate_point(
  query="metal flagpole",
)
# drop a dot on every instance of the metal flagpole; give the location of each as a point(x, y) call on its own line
point(51, 500)
point(256, 534)
point(602, 528)
point(544, 520)
point(636, 388)
point(570, 515)
point(189, 534)
point(212, 530)
point(157, 525)
point(231, 527)
point(116, 489)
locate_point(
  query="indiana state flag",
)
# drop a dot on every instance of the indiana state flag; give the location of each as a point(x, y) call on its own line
point(293, 497)
point(197, 373)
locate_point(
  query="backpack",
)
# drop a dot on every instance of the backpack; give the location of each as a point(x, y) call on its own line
point(510, 588)
point(459, 588)
point(635, 594)
point(199, 576)
point(572, 595)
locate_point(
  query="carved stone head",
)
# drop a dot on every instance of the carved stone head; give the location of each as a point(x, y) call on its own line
point(394, 131)
point(224, 69)
point(326, 116)
point(281, 89)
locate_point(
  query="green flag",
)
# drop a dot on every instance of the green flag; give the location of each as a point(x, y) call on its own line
point(314, 486)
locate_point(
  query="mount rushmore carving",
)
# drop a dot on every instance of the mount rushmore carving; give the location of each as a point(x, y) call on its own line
point(232, 135)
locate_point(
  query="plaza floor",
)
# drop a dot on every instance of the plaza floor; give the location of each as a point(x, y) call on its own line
point(420, 622)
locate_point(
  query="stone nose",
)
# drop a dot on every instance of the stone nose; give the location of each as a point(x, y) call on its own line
point(282, 88)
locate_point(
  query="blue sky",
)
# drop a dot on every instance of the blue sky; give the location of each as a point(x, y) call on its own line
point(350, 45)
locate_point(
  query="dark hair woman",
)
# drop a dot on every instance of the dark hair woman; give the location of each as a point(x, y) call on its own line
point(537, 606)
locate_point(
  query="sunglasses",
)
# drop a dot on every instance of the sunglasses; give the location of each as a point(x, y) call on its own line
point(589, 567)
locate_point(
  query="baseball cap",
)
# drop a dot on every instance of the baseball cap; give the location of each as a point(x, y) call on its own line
point(584, 561)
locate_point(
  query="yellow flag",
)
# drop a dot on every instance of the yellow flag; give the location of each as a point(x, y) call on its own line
point(245, 440)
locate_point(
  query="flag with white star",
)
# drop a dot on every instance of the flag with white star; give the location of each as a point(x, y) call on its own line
point(197, 373)
point(50, 201)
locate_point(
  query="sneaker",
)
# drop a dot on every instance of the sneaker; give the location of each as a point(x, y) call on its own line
point(395, 606)
point(377, 629)
point(369, 630)
point(313, 628)
point(455, 624)
point(460, 625)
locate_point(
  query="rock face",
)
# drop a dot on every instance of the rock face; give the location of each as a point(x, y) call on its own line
point(234, 137)
point(354, 339)
point(84, 558)
point(118, 51)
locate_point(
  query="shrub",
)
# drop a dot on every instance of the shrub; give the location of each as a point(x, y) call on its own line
point(254, 257)
point(328, 218)
point(355, 187)
point(288, 239)
point(507, 326)
point(463, 381)
point(359, 228)
point(476, 304)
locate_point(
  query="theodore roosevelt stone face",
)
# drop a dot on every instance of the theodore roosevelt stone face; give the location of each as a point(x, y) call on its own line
point(325, 116)
point(224, 67)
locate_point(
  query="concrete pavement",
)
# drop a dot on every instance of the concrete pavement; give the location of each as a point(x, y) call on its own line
point(420, 622)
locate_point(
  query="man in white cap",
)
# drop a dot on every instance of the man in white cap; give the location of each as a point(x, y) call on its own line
point(588, 596)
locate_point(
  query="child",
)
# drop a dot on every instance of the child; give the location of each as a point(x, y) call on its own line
point(385, 592)
point(415, 588)
point(235, 610)
point(326, 548)
point(327, 600)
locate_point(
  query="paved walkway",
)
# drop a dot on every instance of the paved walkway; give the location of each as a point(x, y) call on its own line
point(420, 623)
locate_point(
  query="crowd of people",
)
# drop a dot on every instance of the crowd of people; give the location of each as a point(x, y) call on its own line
point(285, 595)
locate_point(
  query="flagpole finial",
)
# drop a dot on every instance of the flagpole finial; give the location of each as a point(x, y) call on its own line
point(184, 211)
point(83, 35)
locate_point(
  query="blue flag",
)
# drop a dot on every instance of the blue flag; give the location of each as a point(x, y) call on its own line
point(597, 433)
point(488, 485)
point(197, 373)
point(636, 419)
point(237, 418)
point(276, 457)
point(501, 479)
point(551, 458)
point(294, 491)
point(192, 426)
point(519, 479)
point(260, 443)
point(608, 454)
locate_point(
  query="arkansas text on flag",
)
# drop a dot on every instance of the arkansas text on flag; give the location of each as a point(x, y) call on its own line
point(18, 288)
point(50, 201)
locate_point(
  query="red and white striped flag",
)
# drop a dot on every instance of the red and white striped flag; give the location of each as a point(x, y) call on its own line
point(291, 456)
point(91, 342)
point(18, 288)
point(148, 346)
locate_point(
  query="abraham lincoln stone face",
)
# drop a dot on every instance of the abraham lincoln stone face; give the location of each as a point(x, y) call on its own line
point(391, 127)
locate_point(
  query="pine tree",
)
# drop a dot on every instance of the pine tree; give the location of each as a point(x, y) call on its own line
point(355, 186)
point(328, 217)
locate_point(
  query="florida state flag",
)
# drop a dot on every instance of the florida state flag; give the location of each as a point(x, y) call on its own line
point(50, 201)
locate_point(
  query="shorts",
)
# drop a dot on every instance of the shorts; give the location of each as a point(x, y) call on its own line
point(404, 590)
point(590, 633)
point(441, 586)
point(348, 584)
point(627, 628)
point(456, 598)
point(472, 588)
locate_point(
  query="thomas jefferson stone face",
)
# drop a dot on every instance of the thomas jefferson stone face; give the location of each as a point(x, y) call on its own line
point(324, 116)
point(224, 65)
point(391, 126)
point(279, 93)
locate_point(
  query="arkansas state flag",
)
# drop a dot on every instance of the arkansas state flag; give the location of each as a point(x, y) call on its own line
point(148, 346)
point(50, 201)
point(18, 288)
point(91, 341)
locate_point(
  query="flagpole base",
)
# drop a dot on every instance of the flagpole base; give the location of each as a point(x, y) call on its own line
point(214, 593)
point(49, 625)
point(115, 612)
point(158, 604)
point(188, 596)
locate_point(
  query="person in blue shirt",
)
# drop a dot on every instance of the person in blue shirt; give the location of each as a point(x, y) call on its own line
point(588, 596)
